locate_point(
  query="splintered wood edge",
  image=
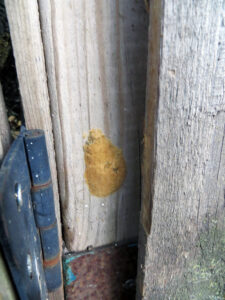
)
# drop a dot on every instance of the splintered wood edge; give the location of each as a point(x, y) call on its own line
point(5, 137)
point(152, 94)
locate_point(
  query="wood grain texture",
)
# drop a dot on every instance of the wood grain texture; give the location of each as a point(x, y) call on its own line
point(23, 17)
point(186, 185)
point(5, 136)
point(96, 61)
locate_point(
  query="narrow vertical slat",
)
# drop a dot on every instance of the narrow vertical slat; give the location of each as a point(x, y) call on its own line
point(23, 17)
point(5, 136)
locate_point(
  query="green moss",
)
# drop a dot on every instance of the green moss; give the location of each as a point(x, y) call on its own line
point(204, 278)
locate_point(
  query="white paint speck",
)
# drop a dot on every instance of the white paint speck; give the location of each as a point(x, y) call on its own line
point(31, 143)
point(36, 175)
point(103, 204)
point(32, 157)
point(79, 233)
point(85, 205)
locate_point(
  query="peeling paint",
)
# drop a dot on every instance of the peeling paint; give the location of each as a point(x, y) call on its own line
point(105, 165)
point(68, 274)
point(70, 277)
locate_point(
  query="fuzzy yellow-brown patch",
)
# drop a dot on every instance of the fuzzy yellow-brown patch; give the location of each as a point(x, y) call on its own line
point(105, 165)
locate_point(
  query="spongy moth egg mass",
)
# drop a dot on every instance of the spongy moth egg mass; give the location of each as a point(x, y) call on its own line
point(105, 165)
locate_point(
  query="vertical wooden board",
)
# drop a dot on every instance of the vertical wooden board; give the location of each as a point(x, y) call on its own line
point(183, 256)
point(24, 23)
point(5, 137)
point(96, 55)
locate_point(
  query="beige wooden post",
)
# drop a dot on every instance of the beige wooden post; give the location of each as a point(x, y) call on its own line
point(96, 64)
point(182, 237)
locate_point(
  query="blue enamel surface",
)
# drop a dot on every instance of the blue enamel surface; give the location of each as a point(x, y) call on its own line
point(18, 233)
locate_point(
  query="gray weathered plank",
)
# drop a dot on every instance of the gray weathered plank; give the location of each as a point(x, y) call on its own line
point(5, 136)
point(96, 61)
point(26, 38)
point(183, 216)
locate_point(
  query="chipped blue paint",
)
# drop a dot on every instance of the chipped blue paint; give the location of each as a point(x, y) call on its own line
point(69, 259)
point(70, 277)
point(68, 274)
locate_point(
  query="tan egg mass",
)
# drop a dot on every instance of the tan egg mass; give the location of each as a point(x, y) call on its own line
point(105, 165)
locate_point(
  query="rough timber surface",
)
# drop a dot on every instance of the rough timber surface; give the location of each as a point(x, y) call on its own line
point(182, 236)
point(96, 62)
point(5, 136)
point(26, 38)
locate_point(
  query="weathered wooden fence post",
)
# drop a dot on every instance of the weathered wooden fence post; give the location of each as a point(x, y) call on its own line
point(96, 63)
point(182, 235)
point(26, 38)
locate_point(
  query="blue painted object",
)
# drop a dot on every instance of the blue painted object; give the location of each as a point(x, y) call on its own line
point(43, 210)
point(50, 243)
point(27, 209)
point(53, 281)
point(43, 202)
point(37, 156)
point(18, 233)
